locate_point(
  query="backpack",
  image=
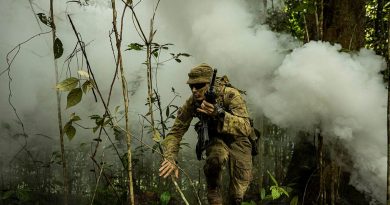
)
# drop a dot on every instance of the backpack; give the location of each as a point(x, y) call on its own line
point(255, 133)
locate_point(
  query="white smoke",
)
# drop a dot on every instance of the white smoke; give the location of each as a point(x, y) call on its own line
point(314, 86)
point(343, 95)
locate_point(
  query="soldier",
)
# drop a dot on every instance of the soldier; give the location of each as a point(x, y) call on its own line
point(229, 143)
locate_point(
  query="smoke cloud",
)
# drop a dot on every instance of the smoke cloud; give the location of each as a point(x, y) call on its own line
point(343, 95)
point(314, 86)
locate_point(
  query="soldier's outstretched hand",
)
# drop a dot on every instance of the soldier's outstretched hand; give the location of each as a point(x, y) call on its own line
point(167, 168)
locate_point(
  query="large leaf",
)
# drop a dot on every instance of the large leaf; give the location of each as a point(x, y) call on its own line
point(68, 84)
point(273, 178)
point(74, 97)
point(58, 48)
point(262, 193)
point(275, 193)
point(87, 85)
point(165, 197)
point(70, 131)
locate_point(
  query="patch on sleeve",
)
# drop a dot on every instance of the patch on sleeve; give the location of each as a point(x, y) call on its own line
point(231, 96)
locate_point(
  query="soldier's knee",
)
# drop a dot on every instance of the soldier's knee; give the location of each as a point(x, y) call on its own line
point(213, 165)
point(214, 162)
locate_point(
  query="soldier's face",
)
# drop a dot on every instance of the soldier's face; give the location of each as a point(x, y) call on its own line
point(198, 90)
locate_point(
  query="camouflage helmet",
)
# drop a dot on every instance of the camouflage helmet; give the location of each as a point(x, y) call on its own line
point(200, 74)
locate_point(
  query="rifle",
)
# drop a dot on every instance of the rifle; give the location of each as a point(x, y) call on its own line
point(202, 128)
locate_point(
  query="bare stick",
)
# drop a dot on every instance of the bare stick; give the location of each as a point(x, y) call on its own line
point(59, 114)
point(125, 94)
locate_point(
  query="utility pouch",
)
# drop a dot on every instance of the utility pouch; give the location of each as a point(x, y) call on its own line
point(201, 140)
point(254, 139)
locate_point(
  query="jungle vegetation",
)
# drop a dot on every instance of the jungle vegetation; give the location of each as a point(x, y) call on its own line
point(119, 166)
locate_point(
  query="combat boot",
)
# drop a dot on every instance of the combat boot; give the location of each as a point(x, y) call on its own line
point(235, 201)
point(214, 196)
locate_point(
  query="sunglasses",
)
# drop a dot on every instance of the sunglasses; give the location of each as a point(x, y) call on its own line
point(197, 86)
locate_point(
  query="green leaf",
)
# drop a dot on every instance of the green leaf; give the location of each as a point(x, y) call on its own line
point(165, 197)
point(167, 111)
point(386, 5)
point(282, 190)
point(87, 85)
point(177, 60)
point(99, 121)
point(95, 128)
point(74, 117)
point(116, 109)
point(107, 122)
point(155, 45)
point(69, 130)
point(155, 52)
point(44, 19)
point(94, 117)
point(184, 54)
point(135, 46)
point(58, 48)
point(262, 193)
point(67, 84)
point(273, 178)
point(275, 194)
point(74, 97)
point(294, 200)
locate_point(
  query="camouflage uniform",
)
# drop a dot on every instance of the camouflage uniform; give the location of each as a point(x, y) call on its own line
point(229, 143)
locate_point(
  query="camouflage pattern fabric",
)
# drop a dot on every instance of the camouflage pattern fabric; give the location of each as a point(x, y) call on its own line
point(200, 74)
point(231, 146)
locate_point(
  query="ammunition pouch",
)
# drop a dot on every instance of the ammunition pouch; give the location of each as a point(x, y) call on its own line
point(199, 144)
point(254, 139)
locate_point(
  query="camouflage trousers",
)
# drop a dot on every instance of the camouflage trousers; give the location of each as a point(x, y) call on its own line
point(235, 154)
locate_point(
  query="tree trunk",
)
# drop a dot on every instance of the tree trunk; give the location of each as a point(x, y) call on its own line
point(338, 21)
point(343, 23)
